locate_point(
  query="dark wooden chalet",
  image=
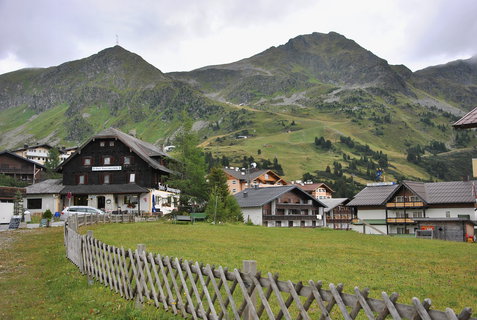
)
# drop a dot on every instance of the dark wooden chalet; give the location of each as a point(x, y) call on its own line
point(112, 171)
point(20, 168)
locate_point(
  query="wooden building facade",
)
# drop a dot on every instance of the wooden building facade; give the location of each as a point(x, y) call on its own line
point(114, 171)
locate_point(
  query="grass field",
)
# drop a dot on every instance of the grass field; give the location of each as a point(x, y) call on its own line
point(442, 271)
point(38, 282)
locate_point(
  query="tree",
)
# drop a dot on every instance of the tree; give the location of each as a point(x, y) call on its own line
point(52, 162)
point(190, 167)
point(222, 206)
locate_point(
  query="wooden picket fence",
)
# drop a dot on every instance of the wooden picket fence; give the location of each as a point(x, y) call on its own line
point(198, 291)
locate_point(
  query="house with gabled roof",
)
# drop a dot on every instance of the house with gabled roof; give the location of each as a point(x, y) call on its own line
point(116, 171)
point(404, 208)
point(281, 206)
point(318, 190)
point(241, 179)
point(20, 168)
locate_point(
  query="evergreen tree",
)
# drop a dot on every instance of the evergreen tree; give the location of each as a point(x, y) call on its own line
point(190, 166)
point(52, 162)
point(222, 206)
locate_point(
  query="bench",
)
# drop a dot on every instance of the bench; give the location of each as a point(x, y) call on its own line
point(183, 218)
point(198, 216)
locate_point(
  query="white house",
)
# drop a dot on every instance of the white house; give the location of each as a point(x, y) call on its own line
point(392, 208)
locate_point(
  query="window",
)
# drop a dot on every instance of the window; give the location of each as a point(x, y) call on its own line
point(234, 181)
point(111, 143)
point(34, 203)
point(102, 143)
point(127, 160)
point(447, 214)
point(87, 161)
point(399, 199)
point(82, 179)
point(107, 160)
point(413, 199)
point(106, 178)
point(417, 214)
point(132, 177)
point(234, 190)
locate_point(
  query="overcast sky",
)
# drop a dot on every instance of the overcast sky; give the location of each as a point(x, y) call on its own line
point(182, 35)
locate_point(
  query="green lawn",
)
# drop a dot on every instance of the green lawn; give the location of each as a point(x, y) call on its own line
point(442, 271)
point(38, 282)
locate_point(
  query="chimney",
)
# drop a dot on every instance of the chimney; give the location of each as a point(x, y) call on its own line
point(245, 194)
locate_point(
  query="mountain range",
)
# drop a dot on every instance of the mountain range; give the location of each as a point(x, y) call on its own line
point(283, 100)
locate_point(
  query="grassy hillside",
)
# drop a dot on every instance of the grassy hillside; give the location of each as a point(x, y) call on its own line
point(316, 86)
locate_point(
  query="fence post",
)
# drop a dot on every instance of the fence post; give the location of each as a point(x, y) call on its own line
point(140, 249)
point(89, 234)
point(250, 269)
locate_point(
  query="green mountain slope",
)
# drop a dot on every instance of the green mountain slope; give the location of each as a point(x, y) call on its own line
point(286, 100)
point(455, 81)
point(111, 88)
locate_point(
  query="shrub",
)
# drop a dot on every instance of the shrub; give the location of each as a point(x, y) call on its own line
point(47, 214)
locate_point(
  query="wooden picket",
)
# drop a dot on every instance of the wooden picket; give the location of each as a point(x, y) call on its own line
point(198, 291)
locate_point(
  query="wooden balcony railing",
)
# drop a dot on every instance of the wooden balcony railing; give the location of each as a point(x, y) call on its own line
point(399, 220)
point(415, 204)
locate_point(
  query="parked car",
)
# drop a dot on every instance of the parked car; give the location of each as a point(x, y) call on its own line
point(79, 210)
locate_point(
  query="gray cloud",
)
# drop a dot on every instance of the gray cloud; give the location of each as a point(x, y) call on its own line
point(449, 31)
point(174, 34)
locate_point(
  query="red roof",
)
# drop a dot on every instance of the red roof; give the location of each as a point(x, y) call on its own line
point(467, 121)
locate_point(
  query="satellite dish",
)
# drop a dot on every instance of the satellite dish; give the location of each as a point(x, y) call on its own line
point(254, 165)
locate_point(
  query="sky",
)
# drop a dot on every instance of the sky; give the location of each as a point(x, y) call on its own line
point(183, 35)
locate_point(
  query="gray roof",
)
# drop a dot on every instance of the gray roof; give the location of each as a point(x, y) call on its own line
point(53, 186)
point(373, 196)
point(450, 192)
point(467, 121)
point(127, 188)
point(257, 197)
point(429, 192)
point(333, 203)
point(144, 150)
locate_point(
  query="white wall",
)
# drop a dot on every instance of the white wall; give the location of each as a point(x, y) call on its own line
point(48, 201)
point(368, 230)
point(6, 212)
point(372, 214)
point(254, 213)
point(454, 212)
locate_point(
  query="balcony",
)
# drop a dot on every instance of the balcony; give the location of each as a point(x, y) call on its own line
point(411, 204)
point(400, 220)
point(289, 217)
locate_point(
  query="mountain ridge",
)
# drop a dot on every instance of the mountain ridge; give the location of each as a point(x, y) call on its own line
point(281, 99)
